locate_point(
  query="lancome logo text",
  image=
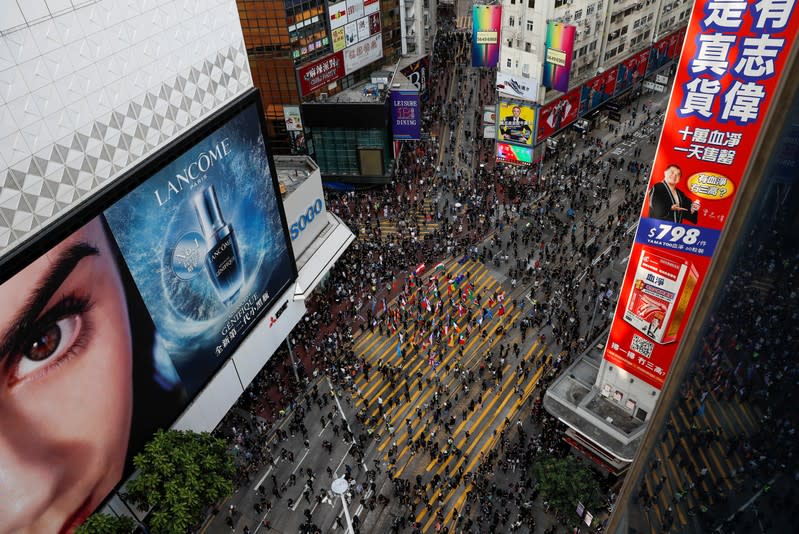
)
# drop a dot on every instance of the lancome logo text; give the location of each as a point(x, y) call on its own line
point(194, 172)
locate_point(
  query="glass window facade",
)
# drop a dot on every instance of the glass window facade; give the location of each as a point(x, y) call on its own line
point(337, 149)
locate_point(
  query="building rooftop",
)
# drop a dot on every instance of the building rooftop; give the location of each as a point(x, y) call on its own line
point(293, 171)
point(575, 401)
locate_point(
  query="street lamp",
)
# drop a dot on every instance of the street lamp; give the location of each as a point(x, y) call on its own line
point(340, 487)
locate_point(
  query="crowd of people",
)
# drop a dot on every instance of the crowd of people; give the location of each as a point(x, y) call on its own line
point(542, 226)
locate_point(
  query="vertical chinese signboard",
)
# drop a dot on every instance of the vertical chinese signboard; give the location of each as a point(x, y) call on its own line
point(486, 25)
point(560, 49)
point(726, 79)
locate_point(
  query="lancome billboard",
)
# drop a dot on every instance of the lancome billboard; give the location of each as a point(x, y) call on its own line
point(118, 324)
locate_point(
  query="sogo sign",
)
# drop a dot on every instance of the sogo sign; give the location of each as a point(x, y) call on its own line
point(306, 218)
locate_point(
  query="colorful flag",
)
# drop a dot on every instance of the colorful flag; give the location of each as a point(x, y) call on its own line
point(419, 269)
point(461, 340)
point(440, 266)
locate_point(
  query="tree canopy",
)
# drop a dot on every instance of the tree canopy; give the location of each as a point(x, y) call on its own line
point(106, 524)
point(564, 482)
point(180, 473)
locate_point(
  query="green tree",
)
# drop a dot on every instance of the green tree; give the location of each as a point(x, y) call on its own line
point(564, 482)
point(180, 473)
point(106, 524)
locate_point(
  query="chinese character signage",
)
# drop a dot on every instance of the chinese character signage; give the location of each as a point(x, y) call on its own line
point(405, 121)
point(559, 52)
point(486, 25)
point(732, 59)
point(321, 72)
point(517, 155)
point(337, 13)
point(598, 90)
point(558, 114)
point(523, 88)
point(516, 123)
point(363, 53)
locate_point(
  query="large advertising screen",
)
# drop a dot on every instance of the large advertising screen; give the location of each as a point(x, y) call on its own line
point(516, 123)
point(112, 330)
point(516, 155)
point(597, 90)
point(405, 114)
point(558, 114)
point(725, 81)
point(486, 26)
point(559, 53)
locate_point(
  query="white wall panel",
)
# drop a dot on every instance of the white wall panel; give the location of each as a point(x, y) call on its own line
point(89, 88)
point(213, 402)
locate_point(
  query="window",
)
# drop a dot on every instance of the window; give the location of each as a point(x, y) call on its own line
point(531, 4)
point(513, 2)
point(530, 25)
point(559, 3)
point(508, 63)
point(527, 47)
point(624, 30)
point(511, 20)
point(510, 43)
point(578, 14)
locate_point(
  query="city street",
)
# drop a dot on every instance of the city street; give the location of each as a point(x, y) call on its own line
point(428, 418)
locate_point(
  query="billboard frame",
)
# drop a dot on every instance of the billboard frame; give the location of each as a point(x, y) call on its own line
point(26, 253)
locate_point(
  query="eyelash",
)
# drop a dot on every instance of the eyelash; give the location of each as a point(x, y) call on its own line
point(70, 305)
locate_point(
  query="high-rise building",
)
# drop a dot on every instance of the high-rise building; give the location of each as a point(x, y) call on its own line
point(301, 51)
point(606, 33)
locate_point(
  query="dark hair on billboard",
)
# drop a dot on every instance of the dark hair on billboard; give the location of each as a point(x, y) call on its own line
point(158, 394)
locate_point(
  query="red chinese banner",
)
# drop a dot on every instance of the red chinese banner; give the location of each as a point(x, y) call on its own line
point(558, 114)
point(731, 63)
point(321, 72)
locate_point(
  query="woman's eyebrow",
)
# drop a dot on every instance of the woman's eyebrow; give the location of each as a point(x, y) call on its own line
point(55, 276)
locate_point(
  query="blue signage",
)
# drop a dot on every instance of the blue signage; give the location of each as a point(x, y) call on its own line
point(405, 120)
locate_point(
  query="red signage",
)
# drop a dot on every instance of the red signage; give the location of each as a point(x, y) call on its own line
point(725, 81)
point(631, 70)
point(321, 72)
point(598, 90)
point(558, 114)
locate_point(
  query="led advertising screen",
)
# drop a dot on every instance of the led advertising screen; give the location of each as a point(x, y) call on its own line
point(111, 331)
point(486, 26)
point(725, 82)
point(516, 155)
point(516, 123)
point(631, 70)
point(597, 90)
point(558, 114)
point(559, 52)
point(405, 118)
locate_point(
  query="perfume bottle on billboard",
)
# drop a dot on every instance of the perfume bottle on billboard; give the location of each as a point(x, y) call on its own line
point(222, 259)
